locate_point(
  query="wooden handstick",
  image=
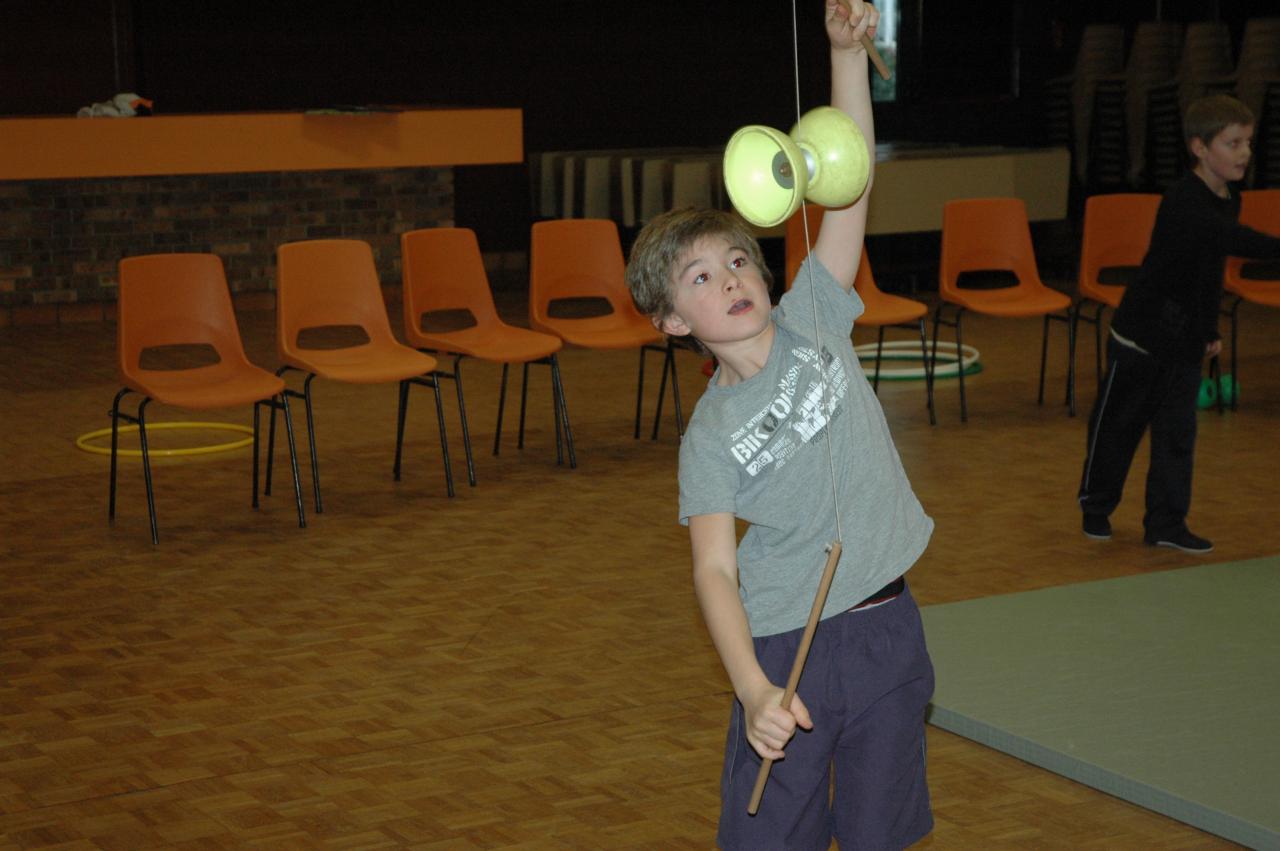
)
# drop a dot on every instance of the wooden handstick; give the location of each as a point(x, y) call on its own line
point(797, 667)
point(876, 59)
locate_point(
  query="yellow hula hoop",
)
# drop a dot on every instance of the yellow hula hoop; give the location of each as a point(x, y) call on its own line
point(82, 442)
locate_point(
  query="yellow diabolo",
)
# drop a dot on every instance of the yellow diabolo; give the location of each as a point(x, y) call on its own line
point(824, 160)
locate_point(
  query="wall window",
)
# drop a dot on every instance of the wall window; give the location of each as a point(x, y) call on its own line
point(886, 42)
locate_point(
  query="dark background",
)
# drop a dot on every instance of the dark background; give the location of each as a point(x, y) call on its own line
point(587, 74)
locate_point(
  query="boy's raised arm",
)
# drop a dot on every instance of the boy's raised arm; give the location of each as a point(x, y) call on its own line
point(839, 244)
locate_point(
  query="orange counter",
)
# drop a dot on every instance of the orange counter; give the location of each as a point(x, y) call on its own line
point(42, 148)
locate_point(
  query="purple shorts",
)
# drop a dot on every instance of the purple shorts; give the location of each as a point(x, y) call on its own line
point(866, 684)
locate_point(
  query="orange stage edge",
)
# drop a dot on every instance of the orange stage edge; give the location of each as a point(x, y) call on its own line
point(51, 148)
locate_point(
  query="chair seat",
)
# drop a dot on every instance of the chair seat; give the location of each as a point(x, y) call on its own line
point(221, 385)
point(366, 364)
point(1020, 301)
point(1104, 294)
point(605, 332)
point(888, 309)
point(1265, 292)
point(500, 344)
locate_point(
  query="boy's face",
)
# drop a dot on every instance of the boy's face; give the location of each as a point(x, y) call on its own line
point(1226, 157)
point(719, 295)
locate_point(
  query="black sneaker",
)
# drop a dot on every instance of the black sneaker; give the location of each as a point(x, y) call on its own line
point(1097, 527)
point(1181, 540)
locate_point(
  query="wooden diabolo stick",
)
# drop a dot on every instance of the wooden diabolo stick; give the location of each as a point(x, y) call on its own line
point(797, 667)
point(876, 59)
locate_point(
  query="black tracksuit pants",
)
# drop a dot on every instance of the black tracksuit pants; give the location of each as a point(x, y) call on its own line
point(1142, 392)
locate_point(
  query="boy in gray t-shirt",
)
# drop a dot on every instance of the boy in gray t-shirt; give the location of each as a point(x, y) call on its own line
point(756, 450)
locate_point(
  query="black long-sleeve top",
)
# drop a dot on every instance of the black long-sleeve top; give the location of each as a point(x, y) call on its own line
point(1171, 309)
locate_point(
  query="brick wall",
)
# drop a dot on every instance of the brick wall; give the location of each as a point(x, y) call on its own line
point(60, 240)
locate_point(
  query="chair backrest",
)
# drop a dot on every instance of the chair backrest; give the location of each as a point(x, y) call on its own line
point(175, 299)
point(1101, 53)
point(1259, 62)
point(442, 269)
point(327, 282)
point(1153, 59)
point(864, 281)
point(1260, 210)
point(1117, 232)
point(795, 248)
point(576, 258)
point(981, 234)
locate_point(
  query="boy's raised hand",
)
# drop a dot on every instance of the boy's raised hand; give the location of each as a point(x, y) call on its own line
point(848, 21)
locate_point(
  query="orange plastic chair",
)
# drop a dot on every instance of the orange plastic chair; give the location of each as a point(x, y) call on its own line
point(582, 259)
point(880, 309)
point(333, 283)
point(992, 234)
point(1117, 232)
point(442, 270)
point(1260, 210)
point(182, 300)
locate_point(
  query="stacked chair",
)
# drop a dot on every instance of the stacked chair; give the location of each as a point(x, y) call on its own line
point(1204, 68)
point(1069, 99)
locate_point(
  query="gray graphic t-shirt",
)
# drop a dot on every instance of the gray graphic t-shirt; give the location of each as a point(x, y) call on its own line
point(758, 450)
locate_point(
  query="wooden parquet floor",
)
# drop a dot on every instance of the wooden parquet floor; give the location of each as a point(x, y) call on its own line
point(520, 666)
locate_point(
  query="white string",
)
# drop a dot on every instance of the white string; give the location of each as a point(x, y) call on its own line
point(813, 298)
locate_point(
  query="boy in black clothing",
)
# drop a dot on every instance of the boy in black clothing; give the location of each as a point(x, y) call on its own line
point(1167, 323)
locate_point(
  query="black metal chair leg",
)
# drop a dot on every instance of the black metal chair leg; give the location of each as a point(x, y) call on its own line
point(524, 402)
point(556, 415)
point(933, 358)
point(1044, 355)
point(675, 396)
point(311, 442)
point(146, 471)
point(668, 368)
point(502, 402)
point(1071, 366)
point(115, 442)
point(271, 444)
point(255, 453)
point(462, 416)
point(668, 361)
point(434, 382)
point(928, 373)
point(402, 407)
point(558, 383)
point(293, 458)
point(639, 392)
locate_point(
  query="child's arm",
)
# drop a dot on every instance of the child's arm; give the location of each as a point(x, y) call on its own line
point(715, 580)
point(839, 243)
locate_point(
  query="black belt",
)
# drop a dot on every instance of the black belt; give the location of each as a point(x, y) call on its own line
point(884, 595)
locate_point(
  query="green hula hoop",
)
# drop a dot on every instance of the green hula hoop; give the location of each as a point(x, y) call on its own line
point(950, 361)
point(82, 442)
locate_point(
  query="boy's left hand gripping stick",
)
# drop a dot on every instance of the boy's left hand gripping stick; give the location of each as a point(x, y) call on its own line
point(797, 667)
